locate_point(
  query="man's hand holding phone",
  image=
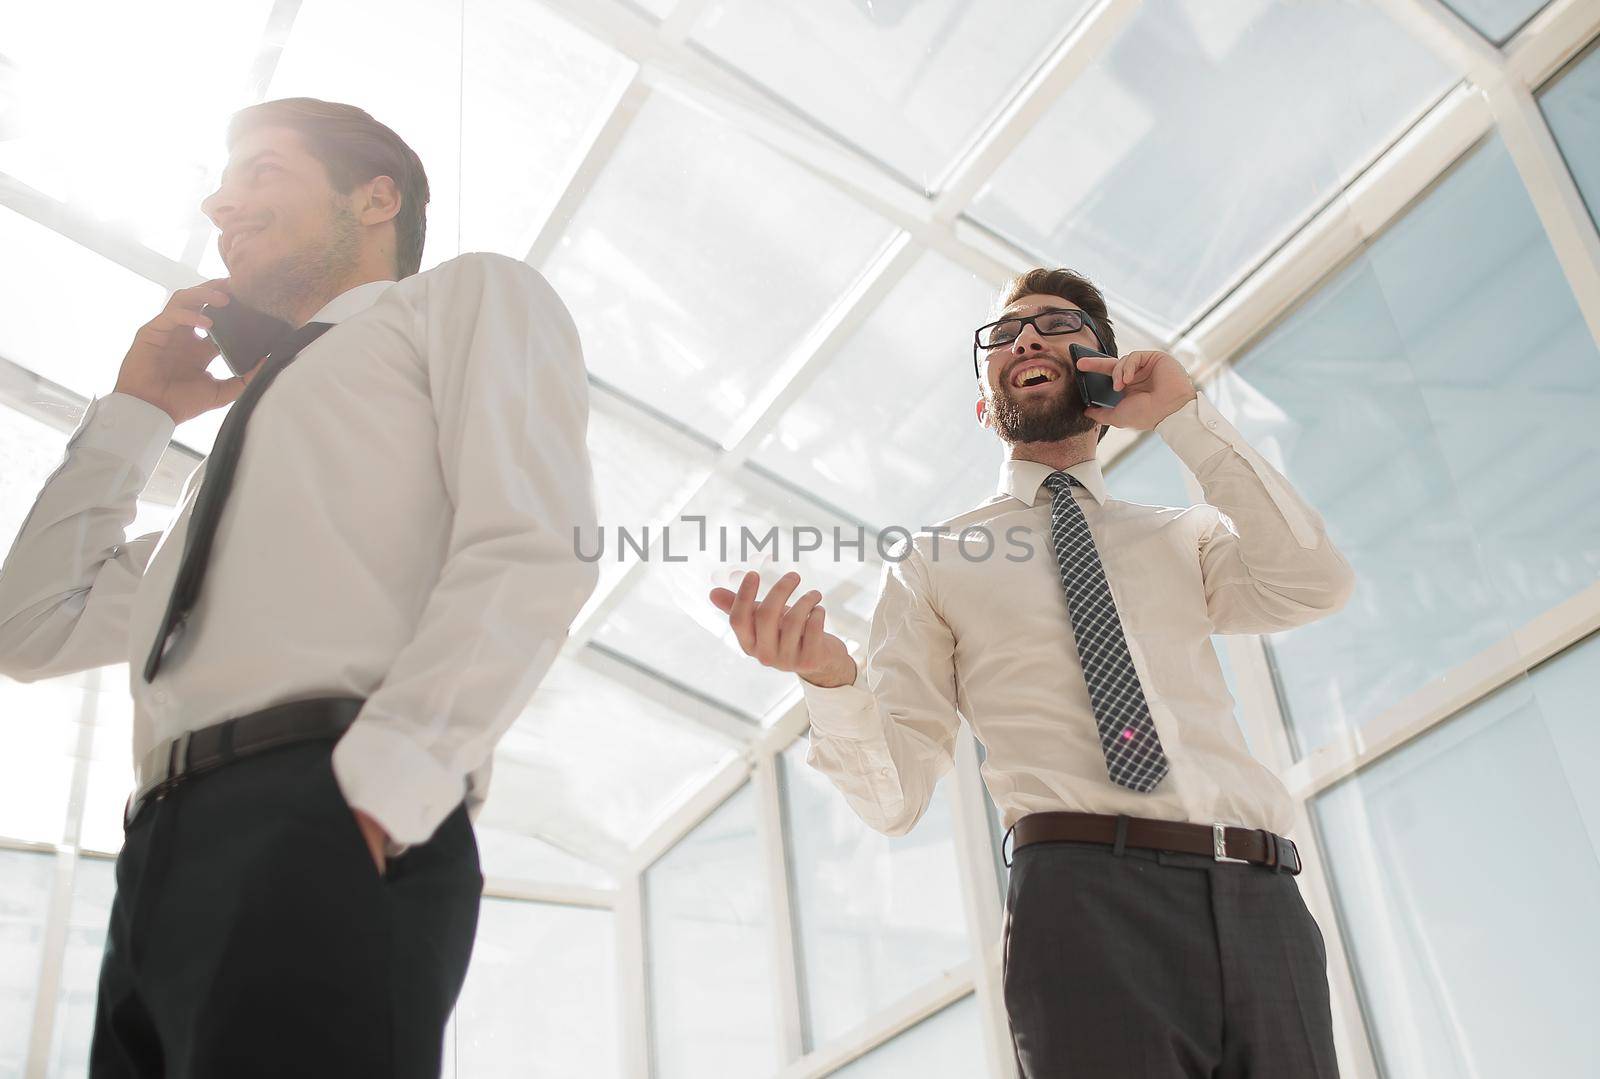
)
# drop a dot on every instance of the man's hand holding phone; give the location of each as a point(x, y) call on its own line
point(1153, 386)
point(166, 365)
point(784, 636)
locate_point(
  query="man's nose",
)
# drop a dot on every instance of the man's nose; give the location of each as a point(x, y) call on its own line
point(1027, 341)
point(219, 206)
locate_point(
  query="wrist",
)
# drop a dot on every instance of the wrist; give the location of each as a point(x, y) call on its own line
point(842, 674)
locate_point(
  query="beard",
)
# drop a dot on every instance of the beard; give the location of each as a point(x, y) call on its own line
point(1047, 417)
point(313, 272)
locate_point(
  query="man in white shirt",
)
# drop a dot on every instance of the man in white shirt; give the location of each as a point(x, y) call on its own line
point(360, 591)
point(1153, 925)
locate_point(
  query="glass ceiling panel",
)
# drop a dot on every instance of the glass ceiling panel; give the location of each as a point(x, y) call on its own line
point(1202, 138)
point(596, 763)
point(498, 139)
point(1496, 20)
point(887, 431)
point(43, 323)
point(667, 624)
point(910, 82)
point(640, 475)
point(128, 135)
point(700, 259)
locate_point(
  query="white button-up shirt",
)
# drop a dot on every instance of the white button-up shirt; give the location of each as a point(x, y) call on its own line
point(400, 529)
point(956, 634)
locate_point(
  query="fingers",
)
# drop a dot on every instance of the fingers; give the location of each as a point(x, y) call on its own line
point(1103, 364)
point(792, 630)
point(769, 614)
point(772, 631)
point(183, 308)
point(741, 616)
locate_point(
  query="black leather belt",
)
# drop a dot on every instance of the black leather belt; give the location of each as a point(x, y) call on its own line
point(1251, 846)
point(209, 748)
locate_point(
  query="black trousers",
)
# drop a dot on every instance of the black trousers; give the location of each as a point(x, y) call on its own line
point(252, 935)
point(1147, 965)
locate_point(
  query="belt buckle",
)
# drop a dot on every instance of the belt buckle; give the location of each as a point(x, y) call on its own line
point(1219, 845)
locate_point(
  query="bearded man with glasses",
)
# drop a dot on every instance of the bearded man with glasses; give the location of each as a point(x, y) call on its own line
point(1153, 924)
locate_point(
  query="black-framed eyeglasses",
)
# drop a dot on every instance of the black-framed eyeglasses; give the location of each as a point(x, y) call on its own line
point(1045, 323)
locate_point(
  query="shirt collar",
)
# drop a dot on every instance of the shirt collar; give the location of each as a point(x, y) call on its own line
point(351, 302)
point(1023, 479)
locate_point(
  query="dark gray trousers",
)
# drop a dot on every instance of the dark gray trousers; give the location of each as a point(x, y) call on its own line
point(1148, 965)
point(252, 937)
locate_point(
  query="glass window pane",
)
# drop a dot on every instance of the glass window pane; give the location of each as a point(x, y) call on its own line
point(499, 137)
point(43, 327)
point(713, 1005)
point(877, 916)
point(25, 882)
point(507, 854)
point(910, 83)
point(540, 999)
point(110, 778)
point(887, 431)
point(1264, 109)
point(1571, 105)
point(946, 1045)
point(125, 123)
point(692, 288)
point(1496, 20)
point(597, 762)
point(38, 745)
point(1465, 871)
point(1417, 346)
point(94, 884)
point(667, 624)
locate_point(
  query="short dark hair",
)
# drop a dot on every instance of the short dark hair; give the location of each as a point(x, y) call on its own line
point(354, 148)
point(1069, 285)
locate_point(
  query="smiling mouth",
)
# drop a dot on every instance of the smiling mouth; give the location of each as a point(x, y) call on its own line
point(1034, 375)
point(233, 241)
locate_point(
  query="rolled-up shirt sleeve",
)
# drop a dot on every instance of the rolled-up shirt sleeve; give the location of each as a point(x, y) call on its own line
point(885, 740)
point(1266, 558)
point(510, 394)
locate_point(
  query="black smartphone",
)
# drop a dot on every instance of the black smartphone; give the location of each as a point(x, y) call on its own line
point(1094, 387)
point(244, 335)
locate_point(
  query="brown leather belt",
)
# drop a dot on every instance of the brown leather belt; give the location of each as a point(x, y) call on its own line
point(1252, 846)
point(195, 752)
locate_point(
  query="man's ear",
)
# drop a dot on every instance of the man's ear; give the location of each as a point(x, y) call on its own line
point(983, 412)
point(379, 201)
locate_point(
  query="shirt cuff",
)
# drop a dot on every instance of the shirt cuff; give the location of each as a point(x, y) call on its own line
point(127, 427)
point(1196, 432)
point(391, 779)
point(842, 711)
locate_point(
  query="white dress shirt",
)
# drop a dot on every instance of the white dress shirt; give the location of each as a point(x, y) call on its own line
point(400, 529)
point(991, 639)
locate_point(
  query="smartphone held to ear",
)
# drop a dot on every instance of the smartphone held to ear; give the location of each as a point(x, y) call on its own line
point(1094, 387)
point(244, 335)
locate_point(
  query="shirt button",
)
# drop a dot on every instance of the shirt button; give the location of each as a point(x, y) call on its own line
point(159, 696)
point(883, 772)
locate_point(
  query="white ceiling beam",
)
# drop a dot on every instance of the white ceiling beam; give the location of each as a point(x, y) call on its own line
point(1551, 38)
point(1077, 51)
point(114, 244)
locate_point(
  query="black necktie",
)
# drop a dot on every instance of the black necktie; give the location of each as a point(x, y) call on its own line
point(214, 488)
